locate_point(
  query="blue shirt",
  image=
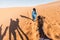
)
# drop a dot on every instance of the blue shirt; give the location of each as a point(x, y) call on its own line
point(34, 14)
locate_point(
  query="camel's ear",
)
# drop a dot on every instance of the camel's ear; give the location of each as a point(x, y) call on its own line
point(43, 17)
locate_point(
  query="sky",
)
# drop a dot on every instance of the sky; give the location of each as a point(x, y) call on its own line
point(22, 3)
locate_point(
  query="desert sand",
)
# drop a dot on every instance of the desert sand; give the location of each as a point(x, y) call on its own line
point(50, 11)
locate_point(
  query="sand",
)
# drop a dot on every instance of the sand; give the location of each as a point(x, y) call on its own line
point(50, 11)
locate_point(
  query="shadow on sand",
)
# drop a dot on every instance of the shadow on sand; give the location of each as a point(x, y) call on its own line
point(25, 17)
point(40, 26)
point(2, 35)
point(14, 25)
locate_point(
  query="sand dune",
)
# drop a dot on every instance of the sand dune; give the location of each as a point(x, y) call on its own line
point(50, 11)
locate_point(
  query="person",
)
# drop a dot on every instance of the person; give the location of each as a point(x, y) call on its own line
point(34, 14)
